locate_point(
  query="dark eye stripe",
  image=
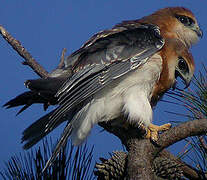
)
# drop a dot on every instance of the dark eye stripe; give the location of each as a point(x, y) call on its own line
point(187, 21)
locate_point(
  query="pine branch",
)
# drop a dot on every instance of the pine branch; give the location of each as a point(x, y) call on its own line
point(142, 152)
point(165, 166)
point(71, 163)
point(29, 60)
point(115, 167)
point(191, 128)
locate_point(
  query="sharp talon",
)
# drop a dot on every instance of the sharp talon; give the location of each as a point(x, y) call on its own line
point(154, 136)
point(153, 130)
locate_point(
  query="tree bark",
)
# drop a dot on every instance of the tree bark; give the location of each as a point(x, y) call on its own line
point(29, 60)
point(142, 152)
point(139, 162)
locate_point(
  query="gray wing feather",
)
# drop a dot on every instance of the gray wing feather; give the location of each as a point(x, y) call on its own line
point(62, 142)
point(98, 71)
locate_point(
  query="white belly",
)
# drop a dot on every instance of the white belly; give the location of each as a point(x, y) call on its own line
point(129, 95)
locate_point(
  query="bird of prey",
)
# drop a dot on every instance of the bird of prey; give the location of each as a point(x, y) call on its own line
point(122, 71)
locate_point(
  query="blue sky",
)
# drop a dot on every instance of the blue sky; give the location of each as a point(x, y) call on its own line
point(44, 28)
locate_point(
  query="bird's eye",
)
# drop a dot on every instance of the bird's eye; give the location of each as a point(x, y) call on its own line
point(187, 21)
point(182, 65)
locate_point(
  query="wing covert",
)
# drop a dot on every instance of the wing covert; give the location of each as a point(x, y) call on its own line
point(104, 61)
point(116, 44)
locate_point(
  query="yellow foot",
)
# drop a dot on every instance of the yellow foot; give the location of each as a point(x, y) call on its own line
point(152, 130)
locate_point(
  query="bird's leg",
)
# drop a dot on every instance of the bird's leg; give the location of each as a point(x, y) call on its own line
point(152, 130)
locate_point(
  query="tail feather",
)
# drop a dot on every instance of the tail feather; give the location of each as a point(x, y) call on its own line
point(61, 144)
point(36, 131)
point(22, 99)
point(39, 129)
point(23, 108)
point(30, 97)
point(27, 99)
point(42, 91)
point(49, 84)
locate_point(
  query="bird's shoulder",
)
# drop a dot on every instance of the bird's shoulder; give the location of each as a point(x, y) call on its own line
point(122, 42)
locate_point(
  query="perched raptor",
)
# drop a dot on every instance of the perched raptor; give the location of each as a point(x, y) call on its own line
point(118, 72)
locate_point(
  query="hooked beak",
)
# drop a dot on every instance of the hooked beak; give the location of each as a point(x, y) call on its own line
point(187, 83)
point(186, 80)
point(174, 85)
point(198, 31)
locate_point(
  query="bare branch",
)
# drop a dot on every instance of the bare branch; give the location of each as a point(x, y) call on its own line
point(62, 58)
point(182, 131)
point(142, 152)
point(29, 60)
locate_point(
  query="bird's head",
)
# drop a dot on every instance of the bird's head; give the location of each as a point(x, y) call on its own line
point(186, 25)
point(176, 22)
point(184, 70)
point(180, 63)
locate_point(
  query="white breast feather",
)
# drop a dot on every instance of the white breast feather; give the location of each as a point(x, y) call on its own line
point(130, 94)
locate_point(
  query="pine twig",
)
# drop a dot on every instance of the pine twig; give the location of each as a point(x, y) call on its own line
point(62, 58)
point(29, 60)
